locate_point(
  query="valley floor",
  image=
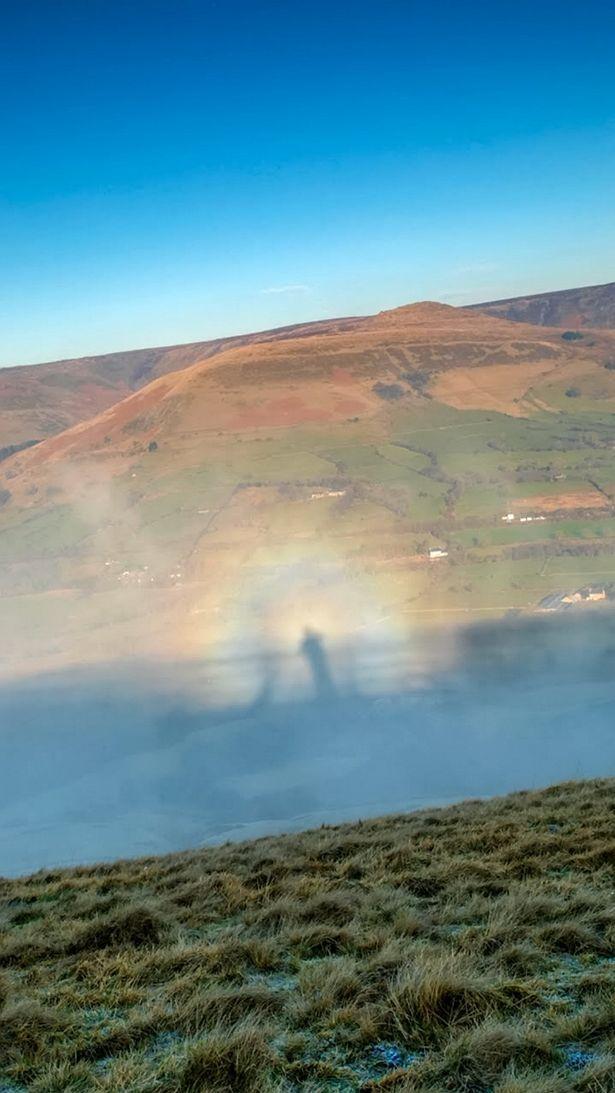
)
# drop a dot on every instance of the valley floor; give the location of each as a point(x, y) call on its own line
point(470, 948)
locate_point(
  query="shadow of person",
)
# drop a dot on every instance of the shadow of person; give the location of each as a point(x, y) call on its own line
point(313, 650)
point(264, 696)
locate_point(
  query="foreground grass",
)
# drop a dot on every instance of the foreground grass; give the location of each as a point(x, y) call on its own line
point(470, 948)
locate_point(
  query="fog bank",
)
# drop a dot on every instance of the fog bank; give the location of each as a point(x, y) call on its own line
point(146, 757)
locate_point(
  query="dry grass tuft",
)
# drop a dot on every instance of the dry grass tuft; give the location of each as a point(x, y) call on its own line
point(438, 991)
point(485, 1052)
point(205, 1009)
point(237, 1060)
point(134, 926)
point(28, 1030)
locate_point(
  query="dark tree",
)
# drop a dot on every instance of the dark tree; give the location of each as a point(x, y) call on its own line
point(389, 391)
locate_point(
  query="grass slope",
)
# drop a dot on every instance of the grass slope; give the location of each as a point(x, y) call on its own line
point(470, 948)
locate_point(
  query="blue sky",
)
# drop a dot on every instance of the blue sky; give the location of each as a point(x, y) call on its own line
point(176, 171)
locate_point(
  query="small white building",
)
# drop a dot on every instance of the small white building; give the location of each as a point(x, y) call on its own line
point(327, 493)
point(596, 594)
point(586, 595)
point(436, 552)
point(509, 517)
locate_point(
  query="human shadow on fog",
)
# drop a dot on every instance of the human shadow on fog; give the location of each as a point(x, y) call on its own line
point(313, 650)
point(119, 760)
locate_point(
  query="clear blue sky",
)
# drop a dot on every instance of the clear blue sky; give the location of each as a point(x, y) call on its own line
point(179, 170)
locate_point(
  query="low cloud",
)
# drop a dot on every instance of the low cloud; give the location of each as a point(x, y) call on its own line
point(281, 290)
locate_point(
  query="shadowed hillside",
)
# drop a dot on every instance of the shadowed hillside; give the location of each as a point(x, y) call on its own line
point(463, 949)
point(593, 306)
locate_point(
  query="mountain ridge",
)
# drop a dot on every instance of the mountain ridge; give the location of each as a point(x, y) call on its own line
point(592, 306)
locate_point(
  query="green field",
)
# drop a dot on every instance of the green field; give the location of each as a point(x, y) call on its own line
point(423, 475)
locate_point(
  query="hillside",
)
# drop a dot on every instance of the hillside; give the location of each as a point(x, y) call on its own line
point(37, 401)
point(572, 308)
point(464, 949)
point(317, 462)
point(40, 400)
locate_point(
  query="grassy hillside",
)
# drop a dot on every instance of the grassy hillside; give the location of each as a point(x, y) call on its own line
point(468, 949)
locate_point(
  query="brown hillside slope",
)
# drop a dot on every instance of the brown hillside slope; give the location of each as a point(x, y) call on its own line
point(351, 369)
point(41, 400)
point(593, 306)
